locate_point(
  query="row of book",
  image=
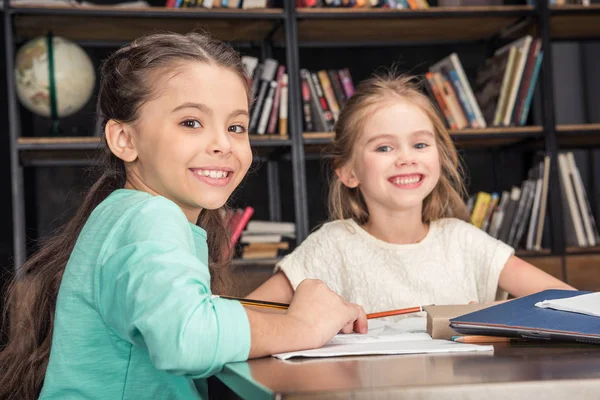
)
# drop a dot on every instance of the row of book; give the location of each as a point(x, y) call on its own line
point(324, 93)
point(243, 4)
point(394, 4)
point(516, 216)
point(258, 239)
point(269, 86)
point(504, 87)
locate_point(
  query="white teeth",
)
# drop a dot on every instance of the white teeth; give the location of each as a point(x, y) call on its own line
point(407, 181)
point(214, 174)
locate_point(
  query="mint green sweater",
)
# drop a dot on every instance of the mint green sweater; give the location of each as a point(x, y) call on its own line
point(135, 318)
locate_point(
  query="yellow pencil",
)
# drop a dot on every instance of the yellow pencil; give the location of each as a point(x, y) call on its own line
point(480, 339)
point(257, 303)
point(284, 306)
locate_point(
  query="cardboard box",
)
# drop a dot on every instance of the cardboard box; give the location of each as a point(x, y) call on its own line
point(438, 318)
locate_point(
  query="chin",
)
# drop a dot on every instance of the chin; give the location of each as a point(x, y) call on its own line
point(212, 204)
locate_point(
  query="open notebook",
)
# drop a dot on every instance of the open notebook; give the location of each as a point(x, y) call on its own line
point(408, 336)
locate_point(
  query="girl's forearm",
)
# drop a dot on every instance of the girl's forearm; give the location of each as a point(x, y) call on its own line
point(273, 333)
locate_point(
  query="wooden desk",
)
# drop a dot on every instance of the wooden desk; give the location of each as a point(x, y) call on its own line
point(524, 370)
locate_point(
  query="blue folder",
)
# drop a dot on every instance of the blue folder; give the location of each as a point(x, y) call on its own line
point(521, 318)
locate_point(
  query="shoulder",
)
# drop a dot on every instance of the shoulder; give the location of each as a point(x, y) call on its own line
point(137, 216)
point(453, 226)
point(457, 230)
point(334, 231)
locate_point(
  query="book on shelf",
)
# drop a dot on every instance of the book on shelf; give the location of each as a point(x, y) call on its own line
point(268, 84)
point(236, 221)
point(517, 215)
point(580, 227)
point(324, 93)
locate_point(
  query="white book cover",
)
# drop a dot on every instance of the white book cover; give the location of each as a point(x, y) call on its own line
point(584, 206)
point(543, 202)
point(571, 206)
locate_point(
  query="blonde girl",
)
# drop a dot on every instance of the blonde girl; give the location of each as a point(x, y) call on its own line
point(399, 235)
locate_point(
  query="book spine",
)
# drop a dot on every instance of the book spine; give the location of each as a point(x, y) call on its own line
point(246, 215)
point(276, 103)
point(266, 111)
point(283, 106)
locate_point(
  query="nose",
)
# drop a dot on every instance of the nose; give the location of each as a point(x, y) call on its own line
point(220, 143)
point(405, 157)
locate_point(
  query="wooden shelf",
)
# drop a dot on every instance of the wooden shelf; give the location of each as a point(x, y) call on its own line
point(583, 250)
point(581, 135)
point(75, 151)
point(92, 142)
point(533, 253)
point(344, 25)
point(496, 136)
point(106, 23)
point(575, 22)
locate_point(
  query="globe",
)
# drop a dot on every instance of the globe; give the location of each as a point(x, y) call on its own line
point(74, 76)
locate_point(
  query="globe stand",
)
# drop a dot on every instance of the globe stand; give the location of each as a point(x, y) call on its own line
point(52, 86)
point(56, 130)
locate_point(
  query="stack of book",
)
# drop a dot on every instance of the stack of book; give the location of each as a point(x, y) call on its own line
point(324, 93)
point(268, 82)
point(266, 239)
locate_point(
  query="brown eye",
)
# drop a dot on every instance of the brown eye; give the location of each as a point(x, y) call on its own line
point(191, 123)
point(237, 129)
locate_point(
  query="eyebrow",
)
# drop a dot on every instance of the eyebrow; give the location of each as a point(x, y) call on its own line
point(423, 132)
point(207, 110)
point(197, 106)
point(235, 113)
point(380, 136)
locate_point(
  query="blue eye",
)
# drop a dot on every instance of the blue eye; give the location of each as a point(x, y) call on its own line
point(384, 149)
point(421, 145)
point(191, 123)
point(237, 129)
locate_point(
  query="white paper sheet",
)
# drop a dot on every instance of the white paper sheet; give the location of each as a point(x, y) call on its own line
point(389, 347)
point(407, 336)
point(588, 304)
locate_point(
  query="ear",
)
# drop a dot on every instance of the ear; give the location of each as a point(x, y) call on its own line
point(119, 140)
point(347, 176)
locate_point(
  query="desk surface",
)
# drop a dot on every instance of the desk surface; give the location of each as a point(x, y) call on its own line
point(520, 370)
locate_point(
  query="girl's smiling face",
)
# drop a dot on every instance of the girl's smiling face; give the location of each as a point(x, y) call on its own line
point(190, 142)
point(396, 163)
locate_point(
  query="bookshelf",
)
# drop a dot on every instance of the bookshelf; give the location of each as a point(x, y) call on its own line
point(290, 30)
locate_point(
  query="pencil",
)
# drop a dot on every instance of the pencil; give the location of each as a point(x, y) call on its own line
point(284, 306)
point(480, 339)
point(390, 313)
point(257, 303)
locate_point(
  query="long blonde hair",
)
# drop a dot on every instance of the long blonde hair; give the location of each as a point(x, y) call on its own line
point(446, 199)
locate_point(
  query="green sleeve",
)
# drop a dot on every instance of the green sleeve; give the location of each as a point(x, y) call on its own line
point(154, 292)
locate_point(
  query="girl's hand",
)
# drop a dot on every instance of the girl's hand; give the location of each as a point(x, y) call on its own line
point(319, 313)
